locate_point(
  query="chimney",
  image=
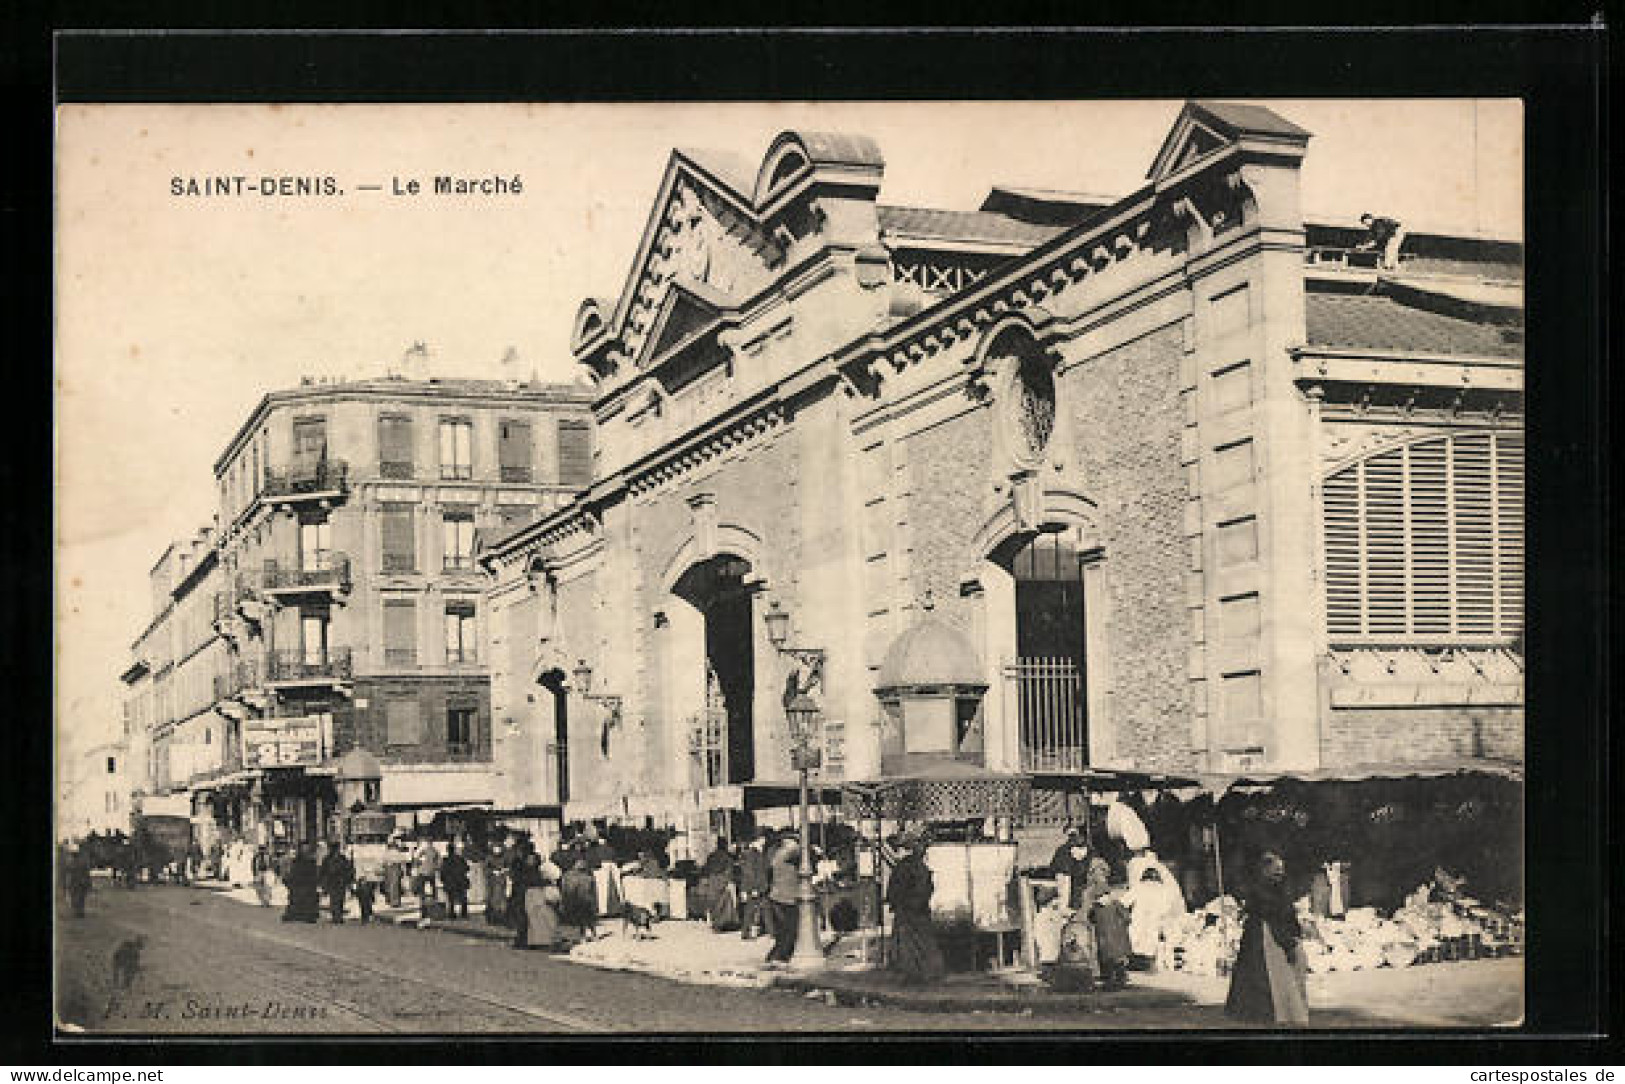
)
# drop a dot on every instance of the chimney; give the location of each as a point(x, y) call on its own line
point(415, 362)
point(513, 369)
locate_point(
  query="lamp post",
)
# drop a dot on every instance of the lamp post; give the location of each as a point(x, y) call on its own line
point(801, 711)
point(581, 676)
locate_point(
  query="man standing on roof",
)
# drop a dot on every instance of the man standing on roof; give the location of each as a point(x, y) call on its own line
point(1385, 237)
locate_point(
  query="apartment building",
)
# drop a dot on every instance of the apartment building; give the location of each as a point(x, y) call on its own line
point(337, 605)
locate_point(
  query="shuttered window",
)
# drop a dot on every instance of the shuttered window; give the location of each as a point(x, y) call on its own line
point(1425, 540)
point(404, 722)
point(575, 452)
point(395, 453)
point(399, 537)
point(400, 632)
point(514, 451)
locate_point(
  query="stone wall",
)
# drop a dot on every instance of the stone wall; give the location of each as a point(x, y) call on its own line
point(1355, 736)
point(1127, 419)
point(948, 480)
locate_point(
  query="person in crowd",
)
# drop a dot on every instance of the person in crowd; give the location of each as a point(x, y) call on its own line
point(542, 898)
point(77, 876)
point(519, 877)
point(337, 872)
point(425, 873)
point(129, 859)
point(914, 944)
point(194, 862)
point(366, 888)
point(477, 854)
point(649, 866)
point(1267, 983)
point(1110, 923)
point(593, 846)
point(454, 878)
point(784, 881)
point(722, 908)
point(578, 899)
point(496, 882)
point(1155, 906)
point(396, 860)
point(264, 875)
point(303, 880)
point(1071, 860)
point(753, 885)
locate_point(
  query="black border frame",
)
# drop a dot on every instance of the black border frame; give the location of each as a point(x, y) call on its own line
point(1560, 72)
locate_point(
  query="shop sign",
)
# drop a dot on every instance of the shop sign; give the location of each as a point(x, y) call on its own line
point(285, 743)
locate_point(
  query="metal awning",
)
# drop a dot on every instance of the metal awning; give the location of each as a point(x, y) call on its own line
point(772, 794)
point(1216, 783)
point(1110, 779)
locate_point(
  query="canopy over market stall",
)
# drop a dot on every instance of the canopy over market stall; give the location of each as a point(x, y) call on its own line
point(949, 790)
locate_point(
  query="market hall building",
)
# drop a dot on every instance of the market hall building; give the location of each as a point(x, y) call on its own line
point(1169, 486)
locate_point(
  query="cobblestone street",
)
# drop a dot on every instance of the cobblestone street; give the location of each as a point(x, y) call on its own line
point(214, 966)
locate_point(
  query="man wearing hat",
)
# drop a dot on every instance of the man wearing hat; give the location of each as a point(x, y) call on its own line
point(784, 879)
point(1072, 861)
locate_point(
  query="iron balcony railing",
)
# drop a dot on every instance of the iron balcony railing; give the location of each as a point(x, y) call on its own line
point(308, 478)
point(327, 570)
point(1047, 696)
point(243, 674)
point(293, 665)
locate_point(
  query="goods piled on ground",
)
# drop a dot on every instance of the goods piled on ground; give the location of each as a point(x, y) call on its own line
point(1436, 923)
point(1206, 940)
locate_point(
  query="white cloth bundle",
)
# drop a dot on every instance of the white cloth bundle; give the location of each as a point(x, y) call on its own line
point(1125, 826)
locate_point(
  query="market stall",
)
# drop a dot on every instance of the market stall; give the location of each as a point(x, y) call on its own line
point(973, 870)
point(1390, 865)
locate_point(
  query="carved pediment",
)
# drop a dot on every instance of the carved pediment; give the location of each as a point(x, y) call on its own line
point(686, 311)
point(1205, 129)
point(702, 240)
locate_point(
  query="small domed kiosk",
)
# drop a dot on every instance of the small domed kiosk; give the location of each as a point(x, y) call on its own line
point(934, 772)
point(358, 818)
point(930, 687)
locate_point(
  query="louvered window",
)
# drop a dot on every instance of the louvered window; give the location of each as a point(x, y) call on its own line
point(1425, 541)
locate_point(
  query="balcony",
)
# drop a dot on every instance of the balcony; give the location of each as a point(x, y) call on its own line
point(243, 676)
point(327, 572)
point(323, 478)
point(309, 668)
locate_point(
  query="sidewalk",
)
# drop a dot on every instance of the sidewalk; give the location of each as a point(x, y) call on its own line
point(1474, 993)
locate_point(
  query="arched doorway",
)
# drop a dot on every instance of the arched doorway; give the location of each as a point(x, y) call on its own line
point(1047, 676)
point(725, 737)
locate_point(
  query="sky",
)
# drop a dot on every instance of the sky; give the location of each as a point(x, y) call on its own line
point(176, 313)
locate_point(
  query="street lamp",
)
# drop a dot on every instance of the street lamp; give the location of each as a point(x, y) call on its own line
point(801, 711)
point(582, 678)
point(778, 634)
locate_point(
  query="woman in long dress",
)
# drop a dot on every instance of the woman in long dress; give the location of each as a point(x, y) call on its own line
point(1267, 984)
point(578, 903)
point(541, 903)
point(304, 892)
point(914, 944)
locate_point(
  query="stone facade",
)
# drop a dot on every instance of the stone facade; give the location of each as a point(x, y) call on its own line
point(797, 429)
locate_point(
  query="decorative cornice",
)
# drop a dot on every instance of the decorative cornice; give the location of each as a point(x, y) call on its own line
point(744, 431)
